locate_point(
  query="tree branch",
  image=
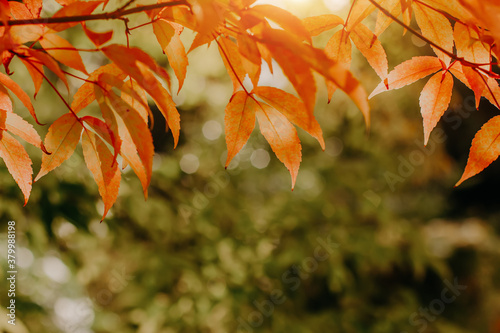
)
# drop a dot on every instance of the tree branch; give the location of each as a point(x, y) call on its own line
point(450, 54)
point(114, 15)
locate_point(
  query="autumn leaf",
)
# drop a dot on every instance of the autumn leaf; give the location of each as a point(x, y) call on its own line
point(383, 21)
point(136, 129)
point(50, 63)
point(292, 108)
point(434, 101)
point(35, 69)
point(408, 72)
point(5, 101)
point(19, 92)
point(168, 35)
point(298, 71)
point(20, 127)
point(316, 25)
point(232, 61)
point(436, 27)
point(62, 50)
point(484, 150)
point(98, 38)
point(282, 137)
point(338, 49)
point(34, 6)
point(140, 66)
point(283, 18)
point(85, 94)
point(73, 8)
point(61, 141)
point(18, 163)
point(371, 48)
point(239, 121)
point(100, 162)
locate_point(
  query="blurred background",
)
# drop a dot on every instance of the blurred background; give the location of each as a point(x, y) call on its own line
point(374, 238)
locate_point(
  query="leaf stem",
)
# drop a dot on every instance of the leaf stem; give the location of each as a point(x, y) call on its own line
point(425, 39)
point(114, 15)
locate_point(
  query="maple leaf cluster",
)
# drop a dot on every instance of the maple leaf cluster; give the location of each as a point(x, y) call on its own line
point(464, 34)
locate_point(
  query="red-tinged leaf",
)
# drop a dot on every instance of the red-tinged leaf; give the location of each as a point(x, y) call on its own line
point(434, 101)
point(476, 83)
point(435, 27)
point(138, 130)
point(383, 21)
point(249, 49)
point(34, 6)
point(62, 50)
point(284, 19)
point(61, 141)
point(101, 128)
point(232, 60)
point(35, 69)
point(296, 60)
point(339, 50)
point(485, 13)
point(101, 164)
point(282, 137)
point(408, 72)
point(85, 94)
point(469, 46)
point(115, 53)
point(111, 122)
point(484, 150)
point(20, 127)
point(20, 11)
point(491, 90)
point(239, 122)
point(299, 74)
point(98, 38)
point(73, 8)
point(316, 25)
point(3, 119)
point(5, 101)
point(19, 92)
point(371, 48)
point(292, 108)
point(134, 95)
point(168, 36)
point(201, 39)
point(180, 15)
point(50, 63)
point(18, 163)
point(139, 66)
point(209, 15)
point(65, 2)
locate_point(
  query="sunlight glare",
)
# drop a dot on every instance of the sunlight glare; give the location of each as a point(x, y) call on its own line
point(336, 5)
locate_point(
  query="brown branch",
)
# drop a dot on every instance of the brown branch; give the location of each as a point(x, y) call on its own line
point(114, 15)
point(425, 39)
